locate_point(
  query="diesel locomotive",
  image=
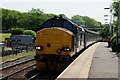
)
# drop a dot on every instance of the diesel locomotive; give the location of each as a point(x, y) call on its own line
point(58, 40)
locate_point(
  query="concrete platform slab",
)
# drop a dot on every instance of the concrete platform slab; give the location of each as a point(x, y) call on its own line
point(104, 63)
point(98, 62)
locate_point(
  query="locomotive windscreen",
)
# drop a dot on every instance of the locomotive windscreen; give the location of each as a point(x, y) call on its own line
point(59, 22)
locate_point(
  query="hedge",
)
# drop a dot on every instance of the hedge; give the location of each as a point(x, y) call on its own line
point(113, 43)
point(17, 31)
point(30, 32)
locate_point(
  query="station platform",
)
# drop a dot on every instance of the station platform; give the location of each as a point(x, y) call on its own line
point(98, 62)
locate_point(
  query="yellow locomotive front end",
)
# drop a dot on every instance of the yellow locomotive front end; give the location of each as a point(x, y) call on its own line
point(53, 49)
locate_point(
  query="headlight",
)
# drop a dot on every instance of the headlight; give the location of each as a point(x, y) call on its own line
point(39, 47)
point(59, 50)
point(66, 49)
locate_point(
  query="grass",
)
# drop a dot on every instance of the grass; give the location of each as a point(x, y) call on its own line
point(11, 57)
point(4, 35)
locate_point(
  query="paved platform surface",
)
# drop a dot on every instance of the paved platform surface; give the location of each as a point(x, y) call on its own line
point(98, 62)
point(104, 63)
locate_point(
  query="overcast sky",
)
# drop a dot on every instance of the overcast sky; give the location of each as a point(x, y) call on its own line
point(91, 8)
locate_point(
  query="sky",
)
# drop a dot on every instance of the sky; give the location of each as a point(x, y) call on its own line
point(91, 8)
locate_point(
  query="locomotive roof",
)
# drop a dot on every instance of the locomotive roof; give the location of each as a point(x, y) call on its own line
point(64, 29)
point(62, 23)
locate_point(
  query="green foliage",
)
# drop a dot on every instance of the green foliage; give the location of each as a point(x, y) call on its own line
point(63, 16)
point(4, 35)
point(114, 8)
point(116, 25)
point(17, 31)
point(30, 32)
point(10, 18)
point(16, 19)
point(36, 12)
point(113, 43)
point(104, 40)
point(90, 21)
point(105, 31)
point(78, 20)
point(33, 19)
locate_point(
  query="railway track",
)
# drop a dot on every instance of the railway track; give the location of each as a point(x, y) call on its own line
point(51, 75)
point(22, 70)
point(13, 69)
point(54, 75)
point(17, 69)
point(11, 75)
point(44, 75)
point(16, 63)
point(9, 62)
point(33, 77)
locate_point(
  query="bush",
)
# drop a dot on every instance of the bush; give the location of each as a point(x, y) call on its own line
point(104, 40)
point(30, 32)
point(17, 31)
point(113, 43)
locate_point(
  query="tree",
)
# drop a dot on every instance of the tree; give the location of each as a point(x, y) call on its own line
point(33, 19)
point(105, 31)
point(30, 32)
point(64, 16)
point(36, 12)
point(27, 20)
point(114, 8)
point(10, 18)
point(90, 21)
point(78, 20)
point(17, 31)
